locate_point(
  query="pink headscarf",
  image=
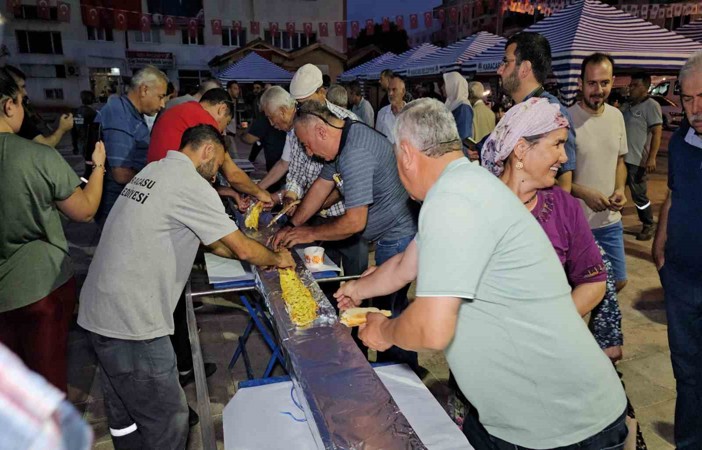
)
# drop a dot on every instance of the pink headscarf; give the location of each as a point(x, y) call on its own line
point(530, 118)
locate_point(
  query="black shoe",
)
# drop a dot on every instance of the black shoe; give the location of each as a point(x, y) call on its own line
point(193, 418)
point(421, 372)
point(646, 233)
point(189, 377)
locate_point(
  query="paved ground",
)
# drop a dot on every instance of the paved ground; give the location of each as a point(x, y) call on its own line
point(646, 365)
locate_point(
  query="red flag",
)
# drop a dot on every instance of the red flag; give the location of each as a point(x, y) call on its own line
point(466, 12)
point(370, 27)
point(400, 22)
point(441, 13)
point(340, 28)
point(14, 6)
point(355, 28)
point(273, 27)
point(386, 24)
point(43, 10)
point(64, 11)
point(479, 8)
point(236, 25)
point(169, 25)
point(120, 19)
point(255, 27)
point(428, 19)
point(453, 15)
point(216, 26)
point(92, 18)
point(145, 23)
point(414, 22)
point(307, 27)
point(323, 29)
point(192, 28)
point(290, 28)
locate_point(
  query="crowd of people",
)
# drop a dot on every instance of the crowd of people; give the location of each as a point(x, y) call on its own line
point(433, 184)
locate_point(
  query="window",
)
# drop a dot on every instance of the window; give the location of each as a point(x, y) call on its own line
point(31, 12)
point(53, 94)
point(230, 38)
point(39, 42)
point(100, 34)
point(189, 80)
point(281, 39)
point(147, 37)
point(188, 40)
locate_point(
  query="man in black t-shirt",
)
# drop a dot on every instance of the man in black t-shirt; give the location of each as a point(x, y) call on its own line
point(272, 141)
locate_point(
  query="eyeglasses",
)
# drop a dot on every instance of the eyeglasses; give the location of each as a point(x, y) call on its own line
point(452, 141)
point(300, 113)
point(506, 61)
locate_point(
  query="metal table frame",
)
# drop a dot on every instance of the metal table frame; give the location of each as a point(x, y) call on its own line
point(203, 398)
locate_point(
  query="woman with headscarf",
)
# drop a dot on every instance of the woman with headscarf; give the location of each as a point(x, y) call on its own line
point(457, 102)
point(525, 151)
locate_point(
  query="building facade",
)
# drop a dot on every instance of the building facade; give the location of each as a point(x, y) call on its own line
point(62, 58)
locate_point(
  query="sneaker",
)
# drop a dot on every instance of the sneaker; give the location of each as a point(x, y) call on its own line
point(193, 418)
point(646, 233)
point(189, 377)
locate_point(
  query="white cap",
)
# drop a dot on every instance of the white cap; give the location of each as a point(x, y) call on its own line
point(306, 81)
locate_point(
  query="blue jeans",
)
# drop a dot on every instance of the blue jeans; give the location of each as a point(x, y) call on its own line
point(144, 402)
point(683, 305)
point(612, 437)
point(611, 239)
point(397, 302)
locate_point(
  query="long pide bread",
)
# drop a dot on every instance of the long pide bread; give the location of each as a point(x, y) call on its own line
point(354, 317)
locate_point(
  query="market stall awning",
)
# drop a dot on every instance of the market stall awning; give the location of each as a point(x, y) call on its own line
point(253, 67)
point(590, 26)
point(452, 57)
point(692, 30)
point(368, 66)
point(401, 61)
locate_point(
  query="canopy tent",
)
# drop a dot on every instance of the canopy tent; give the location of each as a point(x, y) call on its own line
point(254, 67)
point(402, 60)
point(354, 73)
point(451, 58)
point(692, 30)
point(590, 26)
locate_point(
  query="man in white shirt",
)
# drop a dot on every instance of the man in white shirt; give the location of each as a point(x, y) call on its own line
point(601, 142)
point(386, 116)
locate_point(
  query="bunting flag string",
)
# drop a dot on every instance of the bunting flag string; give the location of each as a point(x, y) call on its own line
point(100, 16)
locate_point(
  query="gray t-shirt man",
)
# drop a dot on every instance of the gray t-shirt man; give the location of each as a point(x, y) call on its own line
point(364, 110)
point(521, 353)
point(147, 250)
point(638, 120)
point(365, 172)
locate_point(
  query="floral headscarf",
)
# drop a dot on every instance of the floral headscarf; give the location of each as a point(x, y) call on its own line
point(530, 118)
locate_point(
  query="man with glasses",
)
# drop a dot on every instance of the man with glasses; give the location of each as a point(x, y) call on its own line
point(524, 68)
point(360, 163)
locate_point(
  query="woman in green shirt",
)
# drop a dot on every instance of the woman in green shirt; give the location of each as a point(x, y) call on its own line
point(37, 287)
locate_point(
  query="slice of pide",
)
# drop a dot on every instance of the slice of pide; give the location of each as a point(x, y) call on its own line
point(354, 317)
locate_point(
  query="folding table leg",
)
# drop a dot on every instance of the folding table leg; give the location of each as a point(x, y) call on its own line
point(242, 343)
point(247, 363)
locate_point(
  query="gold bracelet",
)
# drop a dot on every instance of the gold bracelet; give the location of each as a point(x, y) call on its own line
point(96, 166)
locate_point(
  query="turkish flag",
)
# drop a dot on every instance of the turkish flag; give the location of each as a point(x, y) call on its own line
point(323, 29)
point(355, 28)
point(340, 28)
point(14, 6)
point(479, 8)
point(400, 22)
point(442, 15)
point(428, 19)
point(64, 11)
point(169, 25)
point(216, 26)
point(386, 24)
point(370, 27)
point(43, 10)
point(192, 27)
point(92, 18)
point(145, 23)
point(255, 27)
point(236, 25)
point(120, 19)
point(290, 28)
point(453, 15)
point(466, 12)
point(273, 27)
point(414, 22)
point(307, 27)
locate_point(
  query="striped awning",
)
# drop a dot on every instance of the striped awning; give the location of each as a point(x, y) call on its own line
point(366, 67)
point(254, 67)
point(692, 30)
point(451, 58)
point(403, 60)
point(590, 26)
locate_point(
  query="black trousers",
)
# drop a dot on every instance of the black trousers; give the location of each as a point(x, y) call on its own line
point(636, 179)
point(180, 337)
